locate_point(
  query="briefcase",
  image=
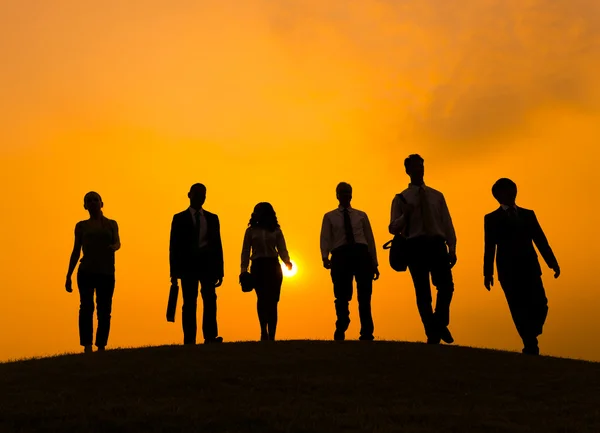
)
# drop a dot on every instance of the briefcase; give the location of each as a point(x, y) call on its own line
point(172, 304)
point(398, 248)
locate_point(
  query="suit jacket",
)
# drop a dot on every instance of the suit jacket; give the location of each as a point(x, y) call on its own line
point(184, 258)
point(511, 241)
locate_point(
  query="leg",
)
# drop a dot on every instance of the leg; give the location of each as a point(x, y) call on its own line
point(258, 272)
point(209, 313)
point(364, 290)
point(418, 267)
point(85, 284)
point(189, 291)
point(537, 305)
point(517, 303)
point(441, 277)
point(104, 296)
point(274, 295)
point(342, 276)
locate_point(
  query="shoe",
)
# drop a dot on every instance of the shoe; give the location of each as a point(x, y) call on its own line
point(531, 346)
point(531, 351)
point(366, 338)
point(446, 336)
point(88, 349)
point(339, 336)
point(213, 340)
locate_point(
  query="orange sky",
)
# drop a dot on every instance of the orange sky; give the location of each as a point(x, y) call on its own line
point(279, 101)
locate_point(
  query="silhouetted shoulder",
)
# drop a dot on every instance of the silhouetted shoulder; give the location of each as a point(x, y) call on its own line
point(434, 192)
point(181, 214)
point(360, 212)
point(493, 214)
point(525, 211)
point(331, 212)
point(208, 214)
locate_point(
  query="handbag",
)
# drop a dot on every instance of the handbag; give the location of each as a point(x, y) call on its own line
point(398, 247)
point(247, 282)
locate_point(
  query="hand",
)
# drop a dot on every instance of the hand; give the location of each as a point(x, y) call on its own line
point(453, 259)
point(219, 282)
point(114, 247)
point(376, 274)
point(556, 270)
point(327, 263)
point(69, 285)
point(289, 266)
point(488, 282)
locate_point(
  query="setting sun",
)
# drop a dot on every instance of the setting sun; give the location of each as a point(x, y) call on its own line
point(289, 272)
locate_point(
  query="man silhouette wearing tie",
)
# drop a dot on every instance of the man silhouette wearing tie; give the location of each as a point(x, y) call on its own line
point(421, 214)
point(510, 232)
point(347, 236)
point(196, 256)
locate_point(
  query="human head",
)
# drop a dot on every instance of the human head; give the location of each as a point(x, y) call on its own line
point(197, 196)
point(343, 192)
point(415, 167)
point(264, 216)
point(505, 191)
point(92, 202)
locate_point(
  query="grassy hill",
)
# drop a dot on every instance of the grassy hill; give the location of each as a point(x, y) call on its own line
point(301, 386)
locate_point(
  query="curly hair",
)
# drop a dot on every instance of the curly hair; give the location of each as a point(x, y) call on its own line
point(264, 217)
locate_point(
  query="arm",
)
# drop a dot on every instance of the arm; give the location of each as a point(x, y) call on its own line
point(282, 248)
point(219, 252)
point(397, 218)
point(74, 257)
point(448, 228)
point(174, 250)
point(489, 252)
point(370, 240)
point(326, 236)
point(539, 238)
point(246, 248)
point(116, 241)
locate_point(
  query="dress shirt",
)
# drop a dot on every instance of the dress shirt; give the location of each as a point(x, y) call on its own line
point(203, 241)
point(333, 232)
point(441, 222)
point(262, 243)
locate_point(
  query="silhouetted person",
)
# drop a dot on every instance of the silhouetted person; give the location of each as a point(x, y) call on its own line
point(98, 237)
point(510, 232)
point(346, 234)
point(196, 256)
point(263, 245)
point(431, 242)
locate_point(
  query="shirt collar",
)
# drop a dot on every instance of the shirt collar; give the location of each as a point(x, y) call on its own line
point(193, 211)
point(505, 207)
point(412, 185)
point(341, 209)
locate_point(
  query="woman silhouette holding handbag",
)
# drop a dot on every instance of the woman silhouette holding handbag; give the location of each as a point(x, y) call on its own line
point(264, 244)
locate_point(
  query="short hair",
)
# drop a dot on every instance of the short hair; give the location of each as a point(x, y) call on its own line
point(503, 184)
point(198, 185)
point(411, 158)
point(341, 186)
point(89, 195)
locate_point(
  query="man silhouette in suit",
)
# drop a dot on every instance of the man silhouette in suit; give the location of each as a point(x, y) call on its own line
point(196, 256)
point(510, 232)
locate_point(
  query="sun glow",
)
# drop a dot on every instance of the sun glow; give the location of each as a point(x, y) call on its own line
point(289, 272)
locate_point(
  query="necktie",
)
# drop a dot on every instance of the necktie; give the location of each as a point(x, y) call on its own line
point(425, 212)
point(512, 212)
point(197, 229)
point(348, 227)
